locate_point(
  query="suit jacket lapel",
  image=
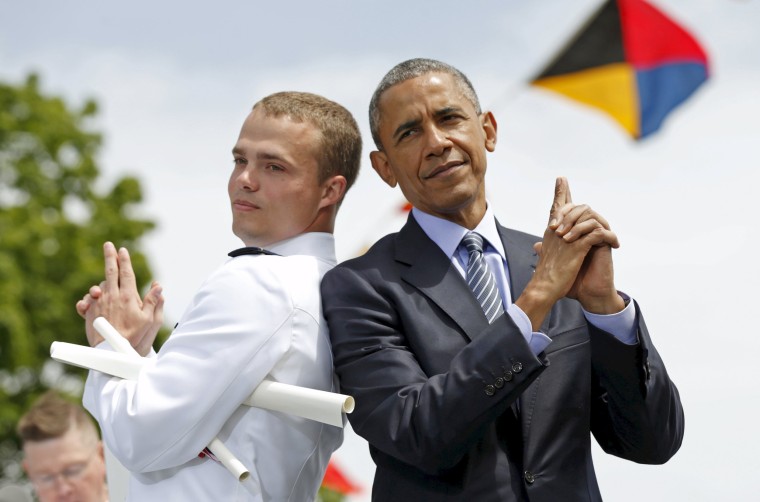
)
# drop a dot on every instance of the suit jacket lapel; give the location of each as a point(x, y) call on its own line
point(521, 259)
point(431, 272)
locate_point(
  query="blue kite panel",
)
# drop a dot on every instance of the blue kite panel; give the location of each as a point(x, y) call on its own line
point(663, 88)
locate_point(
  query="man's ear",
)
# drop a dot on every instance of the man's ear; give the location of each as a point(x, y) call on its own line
point(488, 121)
point(382, 167)
point(333, 190)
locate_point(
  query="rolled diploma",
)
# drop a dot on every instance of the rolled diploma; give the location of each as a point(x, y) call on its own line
point(325, 407)
point(217, 447)
point(319, 405)
point(322, 406)
point(128, 367)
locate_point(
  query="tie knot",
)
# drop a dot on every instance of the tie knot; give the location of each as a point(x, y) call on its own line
point(473, 242)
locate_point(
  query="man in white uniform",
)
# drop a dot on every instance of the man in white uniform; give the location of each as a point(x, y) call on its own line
point(256, 317)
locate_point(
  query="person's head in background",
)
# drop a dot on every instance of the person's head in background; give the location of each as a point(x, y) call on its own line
point(63, 454)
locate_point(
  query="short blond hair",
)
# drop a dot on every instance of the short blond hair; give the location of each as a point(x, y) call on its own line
point(341, 142)
point(52, 416)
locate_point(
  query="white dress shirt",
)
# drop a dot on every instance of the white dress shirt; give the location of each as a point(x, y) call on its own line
point(256, 317)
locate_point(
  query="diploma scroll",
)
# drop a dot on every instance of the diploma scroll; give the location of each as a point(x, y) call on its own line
point(325, 407)
point(218, 449)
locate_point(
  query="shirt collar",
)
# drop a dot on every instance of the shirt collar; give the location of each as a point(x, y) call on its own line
point(448, 235)
point(318, 244)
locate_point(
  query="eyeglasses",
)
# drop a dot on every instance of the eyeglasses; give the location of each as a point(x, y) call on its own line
point(71, 473)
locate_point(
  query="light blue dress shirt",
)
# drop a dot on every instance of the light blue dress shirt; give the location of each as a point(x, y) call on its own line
point(448, 236)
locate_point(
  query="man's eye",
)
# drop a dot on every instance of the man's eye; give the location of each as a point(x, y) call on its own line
point(406, 134)
point(238, 161)
point(274, 167)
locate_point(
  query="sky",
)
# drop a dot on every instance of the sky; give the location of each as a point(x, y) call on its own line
point(174, 81)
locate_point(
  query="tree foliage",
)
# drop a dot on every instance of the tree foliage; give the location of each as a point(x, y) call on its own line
point(54, 218)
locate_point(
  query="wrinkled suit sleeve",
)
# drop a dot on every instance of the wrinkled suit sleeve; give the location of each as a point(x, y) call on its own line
point(426, 421)
point(637, 412)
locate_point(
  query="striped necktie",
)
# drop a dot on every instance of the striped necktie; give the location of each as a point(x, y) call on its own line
point(480, 279)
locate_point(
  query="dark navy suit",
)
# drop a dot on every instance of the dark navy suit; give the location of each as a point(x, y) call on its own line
point(436, 386)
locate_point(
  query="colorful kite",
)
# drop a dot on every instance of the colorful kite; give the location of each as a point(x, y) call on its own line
point(630, 61)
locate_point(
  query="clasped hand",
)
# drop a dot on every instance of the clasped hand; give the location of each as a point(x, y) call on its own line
point(117, 299)
point(575, 256)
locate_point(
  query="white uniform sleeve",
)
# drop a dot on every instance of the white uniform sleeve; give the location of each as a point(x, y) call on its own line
point(233, 333)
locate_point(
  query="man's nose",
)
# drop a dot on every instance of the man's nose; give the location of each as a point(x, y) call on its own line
point(63, 487)
point(437, 141)
point(248, 179)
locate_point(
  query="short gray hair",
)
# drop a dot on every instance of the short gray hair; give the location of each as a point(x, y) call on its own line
point(407, 70)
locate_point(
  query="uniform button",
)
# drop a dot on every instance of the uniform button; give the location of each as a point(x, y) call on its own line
point(517, 367)
point(529, 477)
point(508, 376)
point(499, 383)
point(490, 390)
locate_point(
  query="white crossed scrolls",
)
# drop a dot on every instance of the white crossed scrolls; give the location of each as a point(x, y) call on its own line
point(322, 406)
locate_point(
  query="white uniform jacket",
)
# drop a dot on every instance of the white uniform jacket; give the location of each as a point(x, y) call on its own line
point(256, 317)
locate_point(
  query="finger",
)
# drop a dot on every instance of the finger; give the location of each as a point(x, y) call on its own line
point(111, 285)
point(561, 196)
point(126, 273)
point(569, 215)
point(599, 236)
point(96, 291)
point(81, 307)
point(580, 229)
point(537, 247)
point(84, 304)
point(152, 299)
point(158, 313)
point(575, 217)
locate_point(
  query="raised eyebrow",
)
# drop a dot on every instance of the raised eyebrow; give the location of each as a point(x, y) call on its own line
point(447, 111)
point(237, 151)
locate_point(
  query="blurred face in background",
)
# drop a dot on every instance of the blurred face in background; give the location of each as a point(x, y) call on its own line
point(69, 468)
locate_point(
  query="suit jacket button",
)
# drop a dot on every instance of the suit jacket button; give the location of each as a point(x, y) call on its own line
point(499, 383)
point(529, 477)
point(490, 390)
point(517, 367)
point(508, 376)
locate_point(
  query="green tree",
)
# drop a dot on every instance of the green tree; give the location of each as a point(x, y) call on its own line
point(53, 222)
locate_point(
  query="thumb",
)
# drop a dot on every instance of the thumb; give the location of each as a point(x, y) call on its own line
point(158, 313)
point(537, 247)
point(152, 299)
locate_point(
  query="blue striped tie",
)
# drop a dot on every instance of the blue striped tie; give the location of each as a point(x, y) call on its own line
point(480, 279)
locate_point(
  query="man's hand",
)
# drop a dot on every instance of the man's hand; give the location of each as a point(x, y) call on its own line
point(563, 253)
point(118, 300)
point(594, 287)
